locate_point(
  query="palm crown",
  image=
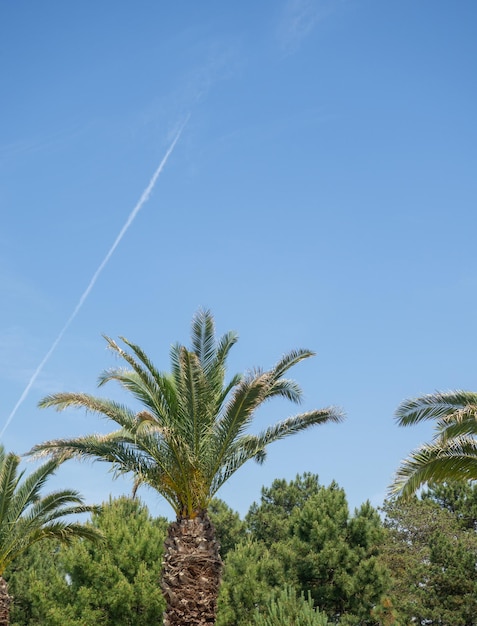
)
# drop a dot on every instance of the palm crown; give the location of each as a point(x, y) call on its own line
point(191, 434)
point(27, 517)
point(452, 454)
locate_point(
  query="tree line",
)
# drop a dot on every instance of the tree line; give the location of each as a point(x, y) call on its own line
point(299, 556)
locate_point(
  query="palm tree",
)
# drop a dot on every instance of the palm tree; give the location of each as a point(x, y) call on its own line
point(452, 454)
point(185, 442)
point(27, 517)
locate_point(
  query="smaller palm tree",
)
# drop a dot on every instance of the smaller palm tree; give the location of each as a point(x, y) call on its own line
point(27, 517)
point(452, 454)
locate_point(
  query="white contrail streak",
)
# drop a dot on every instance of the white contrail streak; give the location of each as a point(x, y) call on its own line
point(143, 199)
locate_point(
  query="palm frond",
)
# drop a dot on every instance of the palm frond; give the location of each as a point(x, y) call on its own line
point(249, 446)
point(114, 448)
point(286, 388)
point(203, 338)
point(439, 405)
point(289, 360)
point(28, 491)
point(440, 461)
point(150, 386)
point(198, 399)
point(64, 532)
point(57, 504)
point(300, 422)
point(68, 532)
point(91, 404)
point(191, 387)
point(174, 356)
point(224, 393)
point(145, 360)
point(234, 462)
point(9, 480)
point(238, 412)
point(224, 344)
point(462, 423)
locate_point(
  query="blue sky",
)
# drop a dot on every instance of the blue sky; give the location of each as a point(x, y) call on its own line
point(321, 195)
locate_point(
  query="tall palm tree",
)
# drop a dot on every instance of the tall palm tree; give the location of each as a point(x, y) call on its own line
point(452, 454)
point(186, 441)
point(27, 517)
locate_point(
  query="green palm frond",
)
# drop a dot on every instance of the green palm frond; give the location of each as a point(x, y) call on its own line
point(226, 391)
point(463, 424)
point(150, 371)
point(54, 505)
point(117, 448)
point(150, 459)
point(452, 455)
point(285, 388)
point(144, 381)
point(132, 382)
point(60, 531)
point(91, 404)
point(9, 480)
point(436, 406)
point(203, 338)
point(68, 532)
point(224, 344)
point(136, 367)
point(254, 447)
point(191, 387)
point(28, 491)
point(296, 424)
point(238, 455)
point(438, 462)
point(289, 360)
point(238, 412)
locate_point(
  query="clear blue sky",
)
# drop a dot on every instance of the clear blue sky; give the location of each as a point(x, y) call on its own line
point(322, 195)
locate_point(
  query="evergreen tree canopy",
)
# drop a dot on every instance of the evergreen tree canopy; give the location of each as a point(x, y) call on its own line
point(432, 553)
point(303, 534)
point(83, 585)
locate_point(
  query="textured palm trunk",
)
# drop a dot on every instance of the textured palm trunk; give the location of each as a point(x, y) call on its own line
point(191, 572)
point(5, 602)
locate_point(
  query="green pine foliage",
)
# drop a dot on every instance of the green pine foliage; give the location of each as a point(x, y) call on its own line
point(299, 557)
point(252, 571)
point(89, 585)
point(431, 551)
point(36, 582)
point(302, 533)
point(286, 608)
point(230, 528)
point(459, 498)
point(336, 555)
point(268, 520)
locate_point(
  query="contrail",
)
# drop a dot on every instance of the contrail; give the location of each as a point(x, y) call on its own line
point(143, 199)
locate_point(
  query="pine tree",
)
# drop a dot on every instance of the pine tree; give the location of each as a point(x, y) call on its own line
point(431, 556)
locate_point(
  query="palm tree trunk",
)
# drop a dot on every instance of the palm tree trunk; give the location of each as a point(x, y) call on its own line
point(5, 602)
point(191, 572)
